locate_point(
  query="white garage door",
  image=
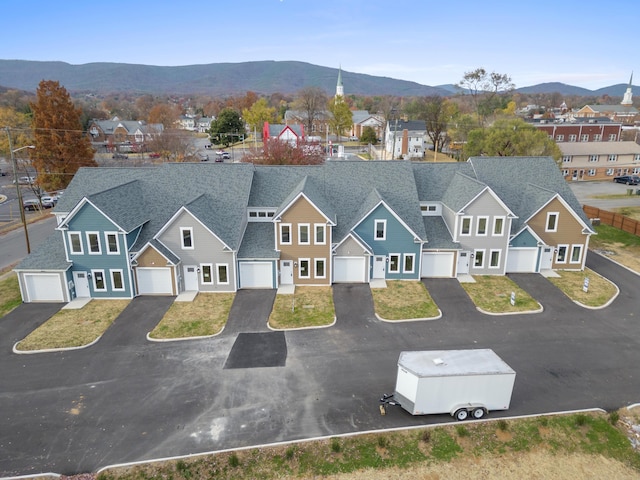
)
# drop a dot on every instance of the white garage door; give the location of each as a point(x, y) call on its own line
point(349, 269)
point(256, 274)
point(44, 287)
point(154, 281)
point(437, 264)
point(521, 260)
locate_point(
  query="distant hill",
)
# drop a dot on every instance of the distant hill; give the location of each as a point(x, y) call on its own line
point(219, 79)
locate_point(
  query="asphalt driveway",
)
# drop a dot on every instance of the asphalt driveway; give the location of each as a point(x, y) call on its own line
point(71, 412)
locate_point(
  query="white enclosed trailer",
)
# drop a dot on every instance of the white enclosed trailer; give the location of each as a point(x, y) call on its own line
point(458, 382)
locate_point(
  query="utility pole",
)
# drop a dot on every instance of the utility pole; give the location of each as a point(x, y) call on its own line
point(18, 191)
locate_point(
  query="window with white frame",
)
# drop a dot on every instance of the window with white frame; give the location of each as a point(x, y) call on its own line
point(478, 258)
point(481, 228)
point(591, 172)
point(409, 263)
point(222, 273)
point(466, 226)
point(99, 285)
point(75, 243)
point(303, 268)
point(394, 263)
point(636, 171)
point(636, 157)
point(111, 241)
point(561, 253)
point(612, 158)
point(552, 222)
point(93, 243)
point(565, 173)
point(593, 158)
point(319, 234)
point(285, 233)
point(576, 254)
point(559, 138)
point(494, 259)
point(319, 268)
point(206, 274)
point(186, 237)
point(584, 137)
point(303, 234)
point(498, 226)
point(380, 232)
point(609, 172)
point(566, 159)
point(573, 137)
point(612, 137)
point(117, 280)
point(597, 137)
point(260, 215)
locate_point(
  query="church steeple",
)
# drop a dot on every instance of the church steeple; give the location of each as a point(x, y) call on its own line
point(627, 100)
point(339, 86)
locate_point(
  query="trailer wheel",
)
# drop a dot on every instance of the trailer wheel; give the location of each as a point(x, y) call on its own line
point(478, 413)
point(461, 414)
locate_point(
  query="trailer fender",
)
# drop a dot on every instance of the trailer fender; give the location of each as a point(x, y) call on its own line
point(462, 412)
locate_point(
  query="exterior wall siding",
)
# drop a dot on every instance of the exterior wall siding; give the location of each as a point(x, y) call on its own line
point(303, 212)
point(568, 233)
point(89, 219)
point(398, 241)
point(207, 251)
point(350, 248)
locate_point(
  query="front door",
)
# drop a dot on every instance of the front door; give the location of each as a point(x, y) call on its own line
point(463, 263)
point(191, 278)
point(546, 260)
point(379, 264)
point(286, 272)
point(81, 281)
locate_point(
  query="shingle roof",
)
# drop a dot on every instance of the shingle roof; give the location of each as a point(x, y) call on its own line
point(461, 190)
point(439, 235)
point(258, 242)
point(599, 148)
point(125, 204)
point(49, 255)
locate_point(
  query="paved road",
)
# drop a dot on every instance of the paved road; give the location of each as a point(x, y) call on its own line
point(586, 191)
point(125, 399)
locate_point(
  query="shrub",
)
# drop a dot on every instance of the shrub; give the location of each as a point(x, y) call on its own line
point(503, 425)
point(335, 445)
point(614, 417)
point(234, 461)
point(426, 436)
point(462, 431)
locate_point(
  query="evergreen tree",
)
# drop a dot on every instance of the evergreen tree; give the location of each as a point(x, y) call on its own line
point(61, 146)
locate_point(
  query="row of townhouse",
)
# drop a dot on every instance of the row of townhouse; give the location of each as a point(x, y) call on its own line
point(162, 230)
point(599, 160)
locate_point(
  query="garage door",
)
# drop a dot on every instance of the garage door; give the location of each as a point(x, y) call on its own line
point(349, 269)
point(522, 260)
point(256, 274)
point(154, 281)
point(437, 264)
point(44, 287)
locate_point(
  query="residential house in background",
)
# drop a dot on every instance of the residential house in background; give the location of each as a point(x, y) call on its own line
point(122, 135)
point(291, 134)
point(599, 161)
point(362, 119)
point(405, 139)
point(220, 227)
point(598, 129)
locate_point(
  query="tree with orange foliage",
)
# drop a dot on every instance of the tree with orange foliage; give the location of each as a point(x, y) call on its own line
point(61, 145)
point(278, 152)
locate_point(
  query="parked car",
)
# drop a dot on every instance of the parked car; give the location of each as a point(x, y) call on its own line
point(2, 173)
point(154, 155)
point(49, 199)
point(628, 179)
point(26, 180)
point(203, 157)
point(34, 204)
point(120, 156)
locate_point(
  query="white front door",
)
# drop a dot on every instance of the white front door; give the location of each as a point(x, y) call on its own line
point(463, 263)
point(286, 272)
point(379, 267)
point(81, 281)
point(191, 278)
point(546, 261)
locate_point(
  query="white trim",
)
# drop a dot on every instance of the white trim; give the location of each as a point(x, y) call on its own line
point(482, 251)
point(113, 283)
point(300, 227)
point(226, 268)
point(566, 253)
point(466, 217)
point(106, 243)
point(383, 222)
point(315, 233)
point(390, 210)
point(308, 275)
point(71, 252)
point(181, 210)
point(493, 227)
point(573, 247)
point(398, 269)
point(294, 200)
point(555, 223)
point(491, 252)
point(486, 225)
point(97, 234)
point(280, 242)
point(495, 197)
point(202, 277)
point(316, 261)
point(413, 262)
point(83, 201)
point(182, 238)
point(94, 282)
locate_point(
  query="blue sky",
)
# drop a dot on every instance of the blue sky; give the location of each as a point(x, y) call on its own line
point(579, 42)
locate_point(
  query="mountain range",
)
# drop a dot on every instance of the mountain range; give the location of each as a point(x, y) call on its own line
point(219, 79)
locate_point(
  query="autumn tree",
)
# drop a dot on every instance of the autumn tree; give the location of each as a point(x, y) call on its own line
point(486, 90)
point(340, 116)
point(20, 128)
point(311, 103)
point(511, 138)
point(226, 128)
point(437, 113)
point(165, 114)
point(258, 113)
point(279, 152)
point(173, 145)
point(61, 145)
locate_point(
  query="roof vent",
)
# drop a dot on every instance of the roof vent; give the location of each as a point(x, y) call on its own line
point(438, 361)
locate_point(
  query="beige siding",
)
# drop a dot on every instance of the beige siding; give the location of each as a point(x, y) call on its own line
point(152, 258)
point(350, 248)
point(302, 211)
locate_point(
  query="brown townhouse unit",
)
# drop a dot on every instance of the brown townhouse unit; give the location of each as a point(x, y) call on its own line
point(599, 160)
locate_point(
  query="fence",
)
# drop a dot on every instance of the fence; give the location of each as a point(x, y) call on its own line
point(614, 219)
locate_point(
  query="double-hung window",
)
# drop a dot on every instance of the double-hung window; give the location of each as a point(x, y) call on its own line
point(303, 234)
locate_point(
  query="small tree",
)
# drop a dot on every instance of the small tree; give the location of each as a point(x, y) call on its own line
point(311, 102)
point(486, 90)
point(341, 117)
point(61, 145)
point(226, 128)
point(369, 136)
point(173, 145)
point(259, 113)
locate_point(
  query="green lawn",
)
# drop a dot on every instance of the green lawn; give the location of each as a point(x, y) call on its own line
point(492, 293)
point(9, 294)
point(403, 300)
point(308, 307)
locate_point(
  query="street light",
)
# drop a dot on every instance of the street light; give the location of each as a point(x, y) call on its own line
point(15, 179)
